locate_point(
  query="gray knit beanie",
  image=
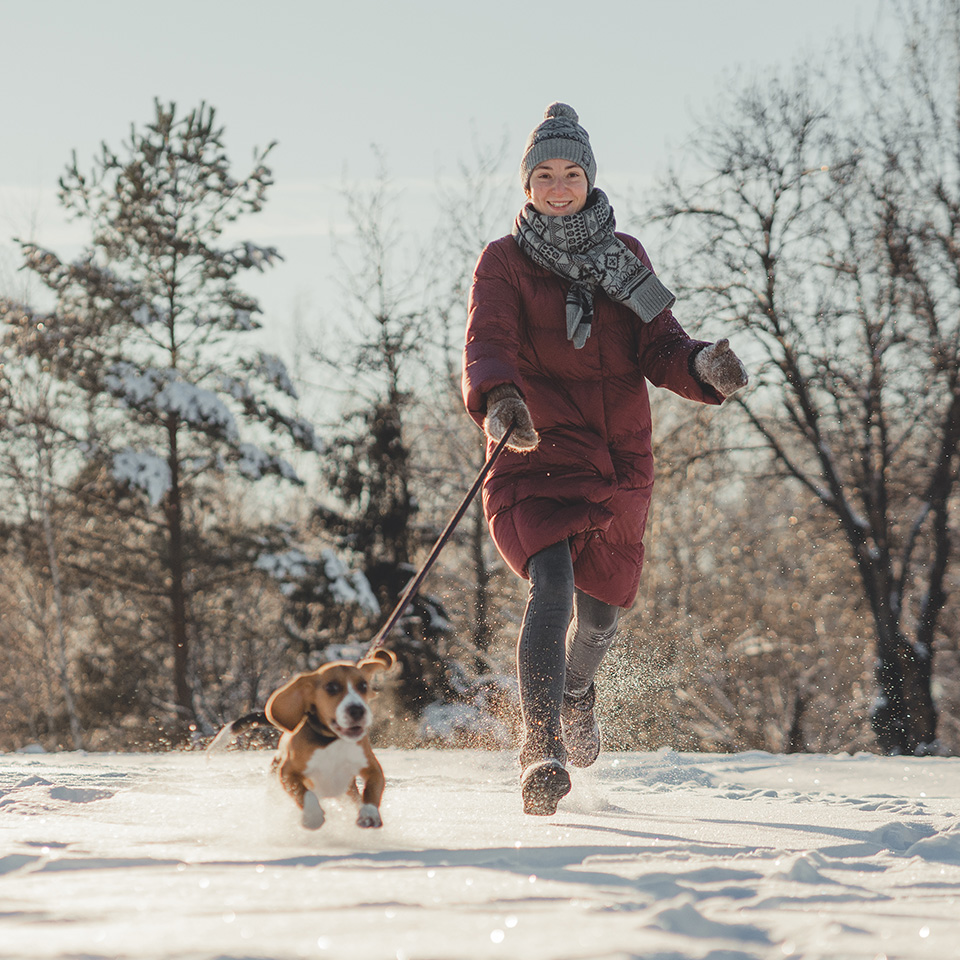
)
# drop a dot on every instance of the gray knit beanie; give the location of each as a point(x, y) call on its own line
point(559, 137)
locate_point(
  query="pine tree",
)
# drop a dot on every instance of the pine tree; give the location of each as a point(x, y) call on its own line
point(151, 328)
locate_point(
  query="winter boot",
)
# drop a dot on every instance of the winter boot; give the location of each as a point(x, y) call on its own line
point(544, 780)
point(581, 733)
point(542, 786)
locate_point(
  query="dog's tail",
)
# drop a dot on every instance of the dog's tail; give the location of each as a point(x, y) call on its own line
point(233, 729)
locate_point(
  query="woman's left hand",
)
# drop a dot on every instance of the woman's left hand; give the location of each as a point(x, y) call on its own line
point(717, 365)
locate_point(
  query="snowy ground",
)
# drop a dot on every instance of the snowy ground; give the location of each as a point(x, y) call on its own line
point(659, 856)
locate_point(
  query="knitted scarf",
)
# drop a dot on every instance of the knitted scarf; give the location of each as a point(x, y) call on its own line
point(582, 248)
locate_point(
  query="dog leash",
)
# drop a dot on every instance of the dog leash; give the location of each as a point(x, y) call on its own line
point(412, 587)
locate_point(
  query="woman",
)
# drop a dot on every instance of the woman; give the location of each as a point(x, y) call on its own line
point(567, 322)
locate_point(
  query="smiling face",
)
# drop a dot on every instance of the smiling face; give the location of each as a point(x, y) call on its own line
point(558, 188)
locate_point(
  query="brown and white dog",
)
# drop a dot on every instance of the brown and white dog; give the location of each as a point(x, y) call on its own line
point(324, 747)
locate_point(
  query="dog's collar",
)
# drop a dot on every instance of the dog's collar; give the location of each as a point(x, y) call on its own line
point(319, 729)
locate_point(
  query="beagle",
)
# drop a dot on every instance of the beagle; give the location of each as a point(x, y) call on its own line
point(324, 747)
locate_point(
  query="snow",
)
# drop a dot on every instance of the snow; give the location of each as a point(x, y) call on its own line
point(345, 586)
point(289, 565)
point(134, 387)
point(143, 315)
point(165, 389)
point(446, 722)
point(663, 856)
point(274, 371)
point(348, 586)
point(303, 433)
point(145, 470)
point(238, 389)
point(243, 320)
point(197, 406)
point(254, 463)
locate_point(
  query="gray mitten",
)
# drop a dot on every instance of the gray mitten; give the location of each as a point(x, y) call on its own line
point(717, 365)
point(505, 406)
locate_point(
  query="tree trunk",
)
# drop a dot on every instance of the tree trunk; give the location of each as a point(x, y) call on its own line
point(795, 742)
point(177, 590)
point(904, 717)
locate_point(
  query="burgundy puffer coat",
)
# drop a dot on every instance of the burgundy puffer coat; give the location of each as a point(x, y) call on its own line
point(591, 478)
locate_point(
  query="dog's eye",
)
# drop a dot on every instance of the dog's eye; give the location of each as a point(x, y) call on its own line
point(333, 688)
point(362, 686)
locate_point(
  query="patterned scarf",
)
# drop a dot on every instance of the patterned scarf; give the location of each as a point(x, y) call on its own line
point(581, 247)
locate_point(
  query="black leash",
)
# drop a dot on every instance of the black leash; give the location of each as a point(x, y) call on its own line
point(414, 585)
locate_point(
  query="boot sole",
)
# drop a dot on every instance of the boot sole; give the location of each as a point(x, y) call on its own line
point(543, 785)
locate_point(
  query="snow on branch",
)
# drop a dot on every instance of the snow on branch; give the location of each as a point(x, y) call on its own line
point(162, 391)
point(301, 431)
point(254, 464)
point(198, 407)
point(326, 576)
point(146, 471)
point(274, 371)
point(288, 567)
point(146, 314)
point(238, 389)
point(251, 255)
point(243, 320)
point(348, 586)
point(133, 386)
point(165, 392)
point(304, 435)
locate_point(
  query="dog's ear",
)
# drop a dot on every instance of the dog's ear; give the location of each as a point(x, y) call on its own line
point(380, 659)
point(288, 705)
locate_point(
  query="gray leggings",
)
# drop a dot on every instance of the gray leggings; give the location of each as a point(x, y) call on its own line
point(564, 636)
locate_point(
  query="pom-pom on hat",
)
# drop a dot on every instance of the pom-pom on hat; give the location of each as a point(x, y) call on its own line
point(558, 137)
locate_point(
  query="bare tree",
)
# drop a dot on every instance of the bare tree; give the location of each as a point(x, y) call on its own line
point(372, 505)
point(474, 210)
point(829, 237)
point(31, 459)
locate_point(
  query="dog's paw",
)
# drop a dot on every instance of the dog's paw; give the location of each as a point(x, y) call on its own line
point(369, 816)
point(312, 817)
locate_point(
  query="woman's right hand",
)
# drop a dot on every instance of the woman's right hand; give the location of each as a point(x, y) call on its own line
point(505, 407)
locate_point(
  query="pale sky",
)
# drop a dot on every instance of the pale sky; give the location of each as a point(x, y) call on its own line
point(423, 80)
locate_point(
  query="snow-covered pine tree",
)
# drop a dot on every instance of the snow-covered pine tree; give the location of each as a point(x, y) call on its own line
point(151, 327)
